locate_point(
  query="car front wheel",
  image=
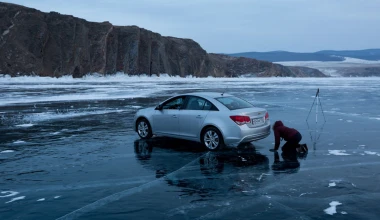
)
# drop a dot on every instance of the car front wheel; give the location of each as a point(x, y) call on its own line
point(212, 139)
point(143, 129)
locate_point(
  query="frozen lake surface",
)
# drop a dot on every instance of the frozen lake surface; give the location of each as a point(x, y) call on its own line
point(68, 151)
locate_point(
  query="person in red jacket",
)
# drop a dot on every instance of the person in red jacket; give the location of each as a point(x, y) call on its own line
point(290, 135)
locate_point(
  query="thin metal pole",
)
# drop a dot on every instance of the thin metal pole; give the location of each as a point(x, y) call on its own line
point(320, 103)
point(311, 108)
point(316, 111)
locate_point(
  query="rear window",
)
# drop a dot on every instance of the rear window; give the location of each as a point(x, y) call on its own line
point(233, 102)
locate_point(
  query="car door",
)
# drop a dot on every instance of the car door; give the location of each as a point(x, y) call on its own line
point(192, 115)
point(165, 120)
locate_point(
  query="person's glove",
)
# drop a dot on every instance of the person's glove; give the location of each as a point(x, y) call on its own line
point(272, 150)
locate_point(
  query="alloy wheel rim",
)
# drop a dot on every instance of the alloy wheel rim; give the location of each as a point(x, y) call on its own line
point(143, 129)
point(211, 139)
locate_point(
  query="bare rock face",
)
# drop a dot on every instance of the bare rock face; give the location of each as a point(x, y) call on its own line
point(51, 44)
point(237, 66)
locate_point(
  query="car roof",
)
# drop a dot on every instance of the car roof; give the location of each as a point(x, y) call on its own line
point(209, 94)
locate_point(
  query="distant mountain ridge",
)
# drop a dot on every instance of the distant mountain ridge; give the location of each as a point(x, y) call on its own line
point(323, 55)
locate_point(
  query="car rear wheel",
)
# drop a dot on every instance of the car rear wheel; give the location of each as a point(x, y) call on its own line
point(212, 138)
point(143, 129)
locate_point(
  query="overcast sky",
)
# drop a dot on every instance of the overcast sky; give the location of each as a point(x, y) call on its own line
point(229, 26)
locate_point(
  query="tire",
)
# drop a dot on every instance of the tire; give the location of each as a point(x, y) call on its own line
point(212, 139)
point(144, 129)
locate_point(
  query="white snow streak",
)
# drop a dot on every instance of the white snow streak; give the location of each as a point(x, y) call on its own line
point(332, 209)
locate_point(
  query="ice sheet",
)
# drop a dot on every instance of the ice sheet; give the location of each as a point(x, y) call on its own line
point(121, 86)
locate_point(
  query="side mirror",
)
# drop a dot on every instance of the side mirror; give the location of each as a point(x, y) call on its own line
point(158, 107)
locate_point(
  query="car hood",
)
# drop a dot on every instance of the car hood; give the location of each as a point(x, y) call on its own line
point(144, 110)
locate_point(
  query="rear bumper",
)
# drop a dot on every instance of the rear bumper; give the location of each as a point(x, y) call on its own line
point(246, 134)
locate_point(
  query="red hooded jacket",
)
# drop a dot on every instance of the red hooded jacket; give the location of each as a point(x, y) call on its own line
point(281, 131)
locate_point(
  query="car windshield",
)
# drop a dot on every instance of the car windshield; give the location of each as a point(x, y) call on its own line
point(232, 102)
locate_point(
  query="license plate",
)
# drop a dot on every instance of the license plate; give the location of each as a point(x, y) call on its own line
point(257, 121)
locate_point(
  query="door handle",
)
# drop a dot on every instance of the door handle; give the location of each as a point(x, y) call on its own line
point(199, 116)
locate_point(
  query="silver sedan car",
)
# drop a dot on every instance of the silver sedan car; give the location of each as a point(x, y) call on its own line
point(214, 119)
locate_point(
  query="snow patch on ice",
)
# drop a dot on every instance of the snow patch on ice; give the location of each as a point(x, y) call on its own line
point(136, 106)
point(331, 144)
point(307, 193)
point(332, 184)
point(349, 121)
point(55, 133)
point(10, 193)
point(25, 125)
point(261, 176)
point(37, 117)
point(15, 199)
point(370, 152)
point(332, 210)
point(7, 151)
point(40, 200)
point(343, 213)
point(57, 197)
point(338, 152)
point(19, 142)
point(359, 61)
point(362, 145)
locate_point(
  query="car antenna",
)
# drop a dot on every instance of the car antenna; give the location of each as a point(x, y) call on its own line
point(224, 91)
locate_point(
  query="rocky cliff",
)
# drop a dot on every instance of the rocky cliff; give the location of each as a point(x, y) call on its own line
point(51, 44)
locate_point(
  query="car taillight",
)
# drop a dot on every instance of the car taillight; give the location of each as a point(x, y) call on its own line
point(266, 116)
point(241, 119)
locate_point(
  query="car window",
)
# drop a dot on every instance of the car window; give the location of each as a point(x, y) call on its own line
point(197, 103)
point(175, 103)
point(209, 106)
point(232, 102)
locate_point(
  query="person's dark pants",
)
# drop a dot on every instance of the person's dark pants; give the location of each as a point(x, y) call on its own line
point(292, 144)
